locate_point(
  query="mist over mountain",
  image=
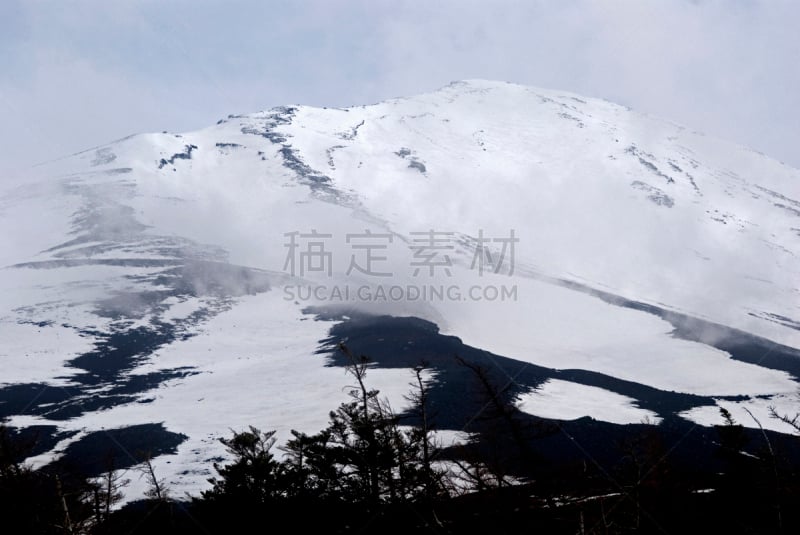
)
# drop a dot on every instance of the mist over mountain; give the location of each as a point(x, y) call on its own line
point(165, 288)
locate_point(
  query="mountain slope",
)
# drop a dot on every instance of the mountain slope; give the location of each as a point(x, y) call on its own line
point(153, 280)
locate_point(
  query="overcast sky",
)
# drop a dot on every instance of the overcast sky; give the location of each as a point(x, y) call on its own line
point(77, 74)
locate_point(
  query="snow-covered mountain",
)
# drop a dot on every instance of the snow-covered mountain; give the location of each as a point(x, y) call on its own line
point(169, 287)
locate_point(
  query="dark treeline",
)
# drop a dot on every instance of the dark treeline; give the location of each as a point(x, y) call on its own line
point(371, 471)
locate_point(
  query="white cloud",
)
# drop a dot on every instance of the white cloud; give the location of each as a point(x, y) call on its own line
point(97, 71)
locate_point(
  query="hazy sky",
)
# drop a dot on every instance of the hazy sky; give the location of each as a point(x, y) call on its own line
point(81, 73)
